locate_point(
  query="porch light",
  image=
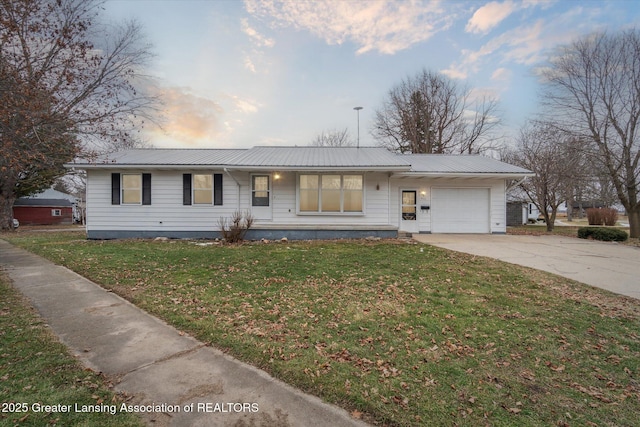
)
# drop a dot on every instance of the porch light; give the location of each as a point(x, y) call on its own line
point(276, 175)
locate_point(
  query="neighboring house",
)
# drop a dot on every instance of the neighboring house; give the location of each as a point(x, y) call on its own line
point(294, 192)
point(39, 211)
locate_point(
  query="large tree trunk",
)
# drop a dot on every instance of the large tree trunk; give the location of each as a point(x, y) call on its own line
point(634, 222)
point(6, 213)
point(550, 219)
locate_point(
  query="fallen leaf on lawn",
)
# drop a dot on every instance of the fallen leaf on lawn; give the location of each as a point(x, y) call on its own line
point(527, 375)
point(356, 414)
point(514, 410)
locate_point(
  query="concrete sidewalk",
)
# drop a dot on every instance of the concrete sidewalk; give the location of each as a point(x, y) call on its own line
point(611, 266)
point(153, 361)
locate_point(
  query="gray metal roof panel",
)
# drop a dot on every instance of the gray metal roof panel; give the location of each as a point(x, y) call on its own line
point(25, 201)
point(320, 157)
point(444, 163)
point(257, 157)
point(307, 158)
point(169, 156)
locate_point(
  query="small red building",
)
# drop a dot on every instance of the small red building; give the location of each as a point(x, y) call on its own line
point(43, 211)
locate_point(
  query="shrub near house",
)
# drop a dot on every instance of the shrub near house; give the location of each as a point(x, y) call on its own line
point(604, 234)
point(602, 216)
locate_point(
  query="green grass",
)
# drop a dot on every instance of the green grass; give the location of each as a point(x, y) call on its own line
point(35, 369)
point(396, 333)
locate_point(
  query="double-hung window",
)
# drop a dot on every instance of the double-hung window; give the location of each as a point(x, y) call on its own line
point(201, 189)
point(131, 189)
point(330, 193)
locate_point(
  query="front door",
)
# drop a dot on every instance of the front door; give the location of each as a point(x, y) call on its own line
point(261, 197)
point(409, 211)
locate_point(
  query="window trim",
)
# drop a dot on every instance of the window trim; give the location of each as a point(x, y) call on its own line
point(56, 212)
point(341, 212)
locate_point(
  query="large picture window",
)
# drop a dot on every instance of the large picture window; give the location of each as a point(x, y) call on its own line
point(331, 193)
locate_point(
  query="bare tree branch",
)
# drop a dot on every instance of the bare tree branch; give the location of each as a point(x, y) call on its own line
point(333, 138)
point(429, 113)
point(593, 90)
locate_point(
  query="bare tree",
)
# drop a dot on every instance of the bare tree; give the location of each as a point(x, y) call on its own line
point(67, 84)
point(593, 90)
point(553, 160)
point(430, 113)
point(333, 138)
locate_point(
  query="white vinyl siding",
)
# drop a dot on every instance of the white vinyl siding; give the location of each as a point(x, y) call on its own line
point(167, 211)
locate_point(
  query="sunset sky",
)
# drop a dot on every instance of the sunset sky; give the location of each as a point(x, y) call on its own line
point(236, 74)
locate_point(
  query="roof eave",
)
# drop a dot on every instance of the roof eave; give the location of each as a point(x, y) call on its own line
point(501, 175)
point(86, 166)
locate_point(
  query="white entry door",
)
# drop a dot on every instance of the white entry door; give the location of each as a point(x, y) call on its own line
point(409, 211)
point(261, 197)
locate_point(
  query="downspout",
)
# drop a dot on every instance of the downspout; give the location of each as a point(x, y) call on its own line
point(237, 183)
point(389, 198)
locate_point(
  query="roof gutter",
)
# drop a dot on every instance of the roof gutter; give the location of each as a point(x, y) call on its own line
point(502, 175)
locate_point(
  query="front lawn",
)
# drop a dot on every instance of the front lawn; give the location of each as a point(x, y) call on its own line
point(397, 333)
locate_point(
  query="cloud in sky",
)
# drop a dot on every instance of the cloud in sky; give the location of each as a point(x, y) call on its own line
point(189, 118)
point(259, 39)
point(383, 26)
point(489, 16)
point(501, 75)
point(524, 45)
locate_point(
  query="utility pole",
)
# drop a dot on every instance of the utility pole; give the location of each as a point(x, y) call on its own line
point(358, 115)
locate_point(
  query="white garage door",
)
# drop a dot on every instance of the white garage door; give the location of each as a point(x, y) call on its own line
point(460, 210)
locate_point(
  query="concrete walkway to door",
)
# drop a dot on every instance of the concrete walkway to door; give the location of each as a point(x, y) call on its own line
point(611, 266)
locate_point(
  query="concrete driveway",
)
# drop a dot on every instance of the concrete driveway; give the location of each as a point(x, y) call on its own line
point(605, 265)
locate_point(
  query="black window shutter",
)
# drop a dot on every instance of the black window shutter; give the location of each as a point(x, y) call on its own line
point(146, 188)
point(217, 189)
point(115, 188)
point(186, 188)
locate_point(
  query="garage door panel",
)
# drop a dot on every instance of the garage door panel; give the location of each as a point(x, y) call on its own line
point(460, 210)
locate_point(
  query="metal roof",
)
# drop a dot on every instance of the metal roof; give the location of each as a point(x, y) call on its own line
point(306, 158)
point(25, 201)
point(165, 157)
point(255, 158)
point(320, 157)
point(459, 164)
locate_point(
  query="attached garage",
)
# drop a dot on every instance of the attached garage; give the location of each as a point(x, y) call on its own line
point(460, 210)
